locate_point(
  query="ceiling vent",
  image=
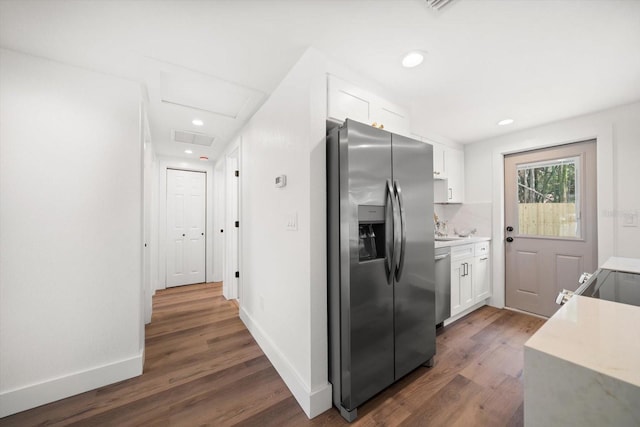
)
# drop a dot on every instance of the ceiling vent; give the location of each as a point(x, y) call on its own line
point(438, 4)
point(192, 138)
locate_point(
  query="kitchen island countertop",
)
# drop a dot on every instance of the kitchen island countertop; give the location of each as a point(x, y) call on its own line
point(582, 364)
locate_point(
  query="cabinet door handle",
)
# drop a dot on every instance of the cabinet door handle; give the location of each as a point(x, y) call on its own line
point(450, 193)
point(484, 259)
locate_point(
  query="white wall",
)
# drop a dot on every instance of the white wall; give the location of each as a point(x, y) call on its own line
point(283, 273)
point(618, 142)
point(70, 231)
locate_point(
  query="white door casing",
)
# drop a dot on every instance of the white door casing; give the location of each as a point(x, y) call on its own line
point(219, 225)
point(232, 263)
point(186, 227)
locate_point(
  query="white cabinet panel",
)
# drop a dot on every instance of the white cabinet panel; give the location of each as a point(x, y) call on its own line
point(454, 166)
point(346, 100)
point(461, 285)
point(470, 276)
point(392, 118)
point(438, 161)
point(481, 278)
point(449, 182)
point(461, 278)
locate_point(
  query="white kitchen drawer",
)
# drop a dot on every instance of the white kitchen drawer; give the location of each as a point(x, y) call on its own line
point(481, 248)
point(461, 251)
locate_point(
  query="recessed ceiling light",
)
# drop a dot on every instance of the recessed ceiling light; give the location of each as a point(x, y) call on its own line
point(412, 59)
point(188, 151)
point(505, 122)
point(197, 122)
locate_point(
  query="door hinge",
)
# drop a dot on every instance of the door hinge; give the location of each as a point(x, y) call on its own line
point(237, 274)
point(237, 224)
point(237, 173)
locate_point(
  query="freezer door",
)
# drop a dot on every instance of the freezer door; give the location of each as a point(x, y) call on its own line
point(415, 269)
point(366, 293)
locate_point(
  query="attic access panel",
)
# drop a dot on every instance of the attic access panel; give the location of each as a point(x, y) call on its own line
point(204, 92)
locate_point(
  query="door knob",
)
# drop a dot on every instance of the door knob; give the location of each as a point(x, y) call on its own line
point(509, 229)
point(509, 239)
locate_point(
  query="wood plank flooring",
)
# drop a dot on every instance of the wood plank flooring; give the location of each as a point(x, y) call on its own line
point(204, 368)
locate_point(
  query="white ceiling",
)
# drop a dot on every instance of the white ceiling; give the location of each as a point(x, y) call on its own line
point(532, 60)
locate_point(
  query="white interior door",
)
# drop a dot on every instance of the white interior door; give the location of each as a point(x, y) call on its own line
point(186, 213)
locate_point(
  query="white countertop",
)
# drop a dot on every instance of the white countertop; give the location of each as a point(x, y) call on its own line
point(630, 265)
point(600, 335)
point(460, 241)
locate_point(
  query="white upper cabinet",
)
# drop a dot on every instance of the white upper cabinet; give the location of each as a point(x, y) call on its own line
point(346, 100)
point(455, 175)
point(438, 161)
point(448, 173)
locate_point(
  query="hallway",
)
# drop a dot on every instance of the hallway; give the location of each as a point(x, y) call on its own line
point(202, 366)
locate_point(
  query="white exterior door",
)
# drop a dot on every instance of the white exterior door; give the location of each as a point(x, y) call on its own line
point(550, 216)
point(186, 213)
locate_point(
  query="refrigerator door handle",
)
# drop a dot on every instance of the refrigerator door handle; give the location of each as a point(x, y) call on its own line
point(390, 212)
point(403, 232)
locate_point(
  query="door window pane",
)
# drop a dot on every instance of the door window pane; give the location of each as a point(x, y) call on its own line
point(548, 198)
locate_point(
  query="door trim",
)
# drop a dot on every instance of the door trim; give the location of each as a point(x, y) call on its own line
point(565, 132)
point(231, 284)
point(181, 164)
point(206, 230)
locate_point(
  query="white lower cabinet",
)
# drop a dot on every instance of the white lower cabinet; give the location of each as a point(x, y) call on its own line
point(470, 276)
point(461, 278)
point(481, 272)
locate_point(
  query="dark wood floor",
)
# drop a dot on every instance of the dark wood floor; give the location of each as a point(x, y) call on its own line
point(204, 368)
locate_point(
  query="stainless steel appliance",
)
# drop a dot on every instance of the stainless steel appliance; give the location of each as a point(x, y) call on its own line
point(380, 261)
point(443, 284)
point(607, 284)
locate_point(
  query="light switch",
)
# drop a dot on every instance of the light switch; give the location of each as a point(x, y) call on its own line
point(291, 221)
point(281, 181)
point(630, 219)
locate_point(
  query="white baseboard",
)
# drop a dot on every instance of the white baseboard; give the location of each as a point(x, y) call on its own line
point(313, 402)
point(21, 399)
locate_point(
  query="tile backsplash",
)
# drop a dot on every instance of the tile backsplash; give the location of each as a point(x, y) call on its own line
point(467, 216)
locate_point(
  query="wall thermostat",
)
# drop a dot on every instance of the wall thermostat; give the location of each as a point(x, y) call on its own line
point(281, 181)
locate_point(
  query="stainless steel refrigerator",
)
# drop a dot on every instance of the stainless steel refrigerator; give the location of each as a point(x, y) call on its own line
point(380, 261)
